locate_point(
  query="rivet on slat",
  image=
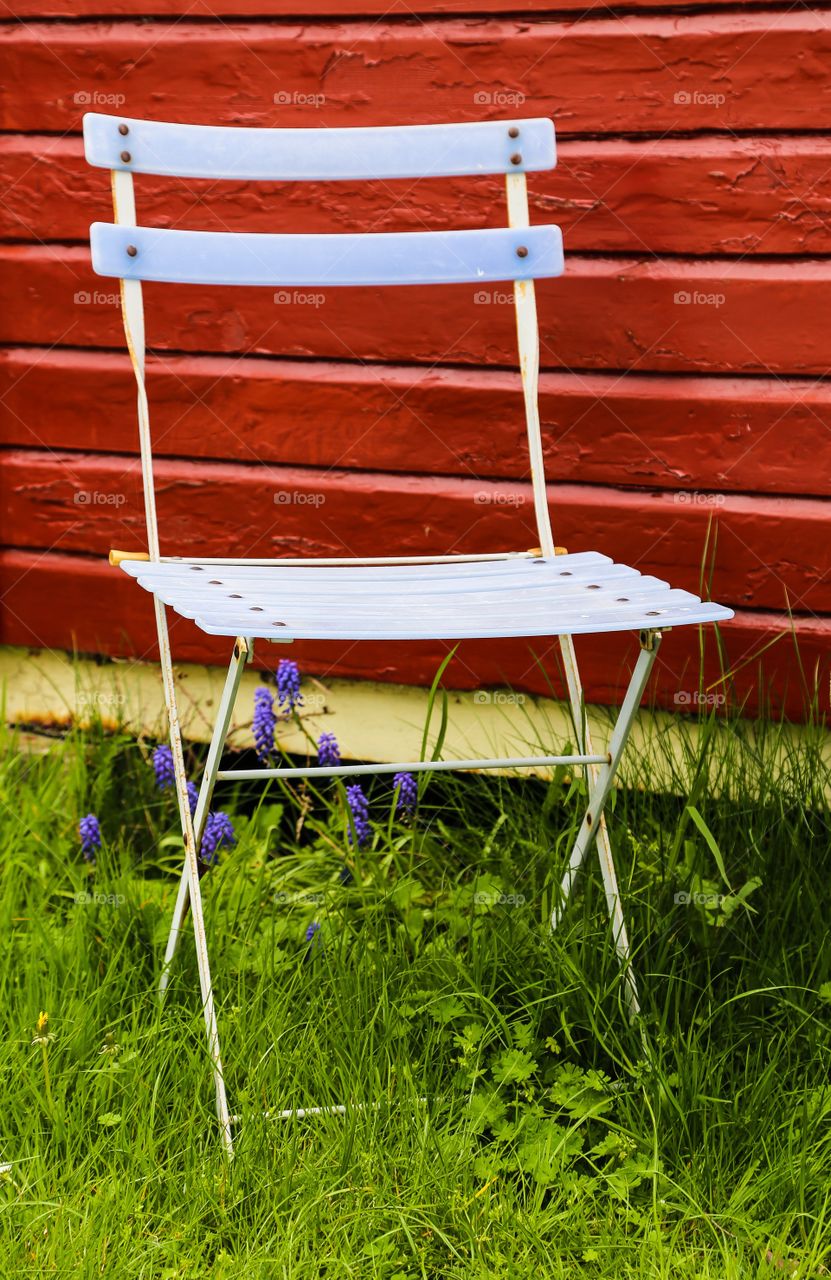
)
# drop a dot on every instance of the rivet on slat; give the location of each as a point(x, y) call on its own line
point(593, 587)
point(126, 157)
point(522, 252)
point(131, 250)
point(215, 582)
point(653, 613)
point(234, 596)
point(623, 600)
point(516, 158)
point(123, 130)
point(278, 624)
point(513, 132)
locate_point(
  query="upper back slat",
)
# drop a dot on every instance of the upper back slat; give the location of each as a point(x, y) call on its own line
point(298, 155)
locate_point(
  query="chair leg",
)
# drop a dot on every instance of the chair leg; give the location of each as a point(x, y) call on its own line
point(192, 865)
point(236, 667)
point(600, 781)
point(614, 906)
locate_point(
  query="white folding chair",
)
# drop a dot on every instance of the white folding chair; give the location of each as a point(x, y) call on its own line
point(542, 592)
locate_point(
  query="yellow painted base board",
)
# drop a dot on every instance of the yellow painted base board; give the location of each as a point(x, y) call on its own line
point(372, 721)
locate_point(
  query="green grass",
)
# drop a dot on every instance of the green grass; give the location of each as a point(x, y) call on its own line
point(556, 1140)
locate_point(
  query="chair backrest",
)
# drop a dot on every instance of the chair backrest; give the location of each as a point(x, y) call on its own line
point(518, 252)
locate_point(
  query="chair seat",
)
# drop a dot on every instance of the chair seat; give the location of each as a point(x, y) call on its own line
point(515, 596)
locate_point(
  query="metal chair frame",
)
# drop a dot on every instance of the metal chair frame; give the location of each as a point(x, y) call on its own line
point(133, 253)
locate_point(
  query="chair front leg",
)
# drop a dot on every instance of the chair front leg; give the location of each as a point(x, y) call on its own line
point(614, 906)
point(192, 870)
point(593, 827)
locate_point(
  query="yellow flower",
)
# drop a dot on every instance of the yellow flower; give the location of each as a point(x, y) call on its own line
point(42, 1036)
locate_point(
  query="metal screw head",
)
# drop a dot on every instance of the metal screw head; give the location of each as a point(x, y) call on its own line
point(126, 157)
point(513, 132)
point(131, 250)
point(516, 158)
point(522, 252)
point(123, 130)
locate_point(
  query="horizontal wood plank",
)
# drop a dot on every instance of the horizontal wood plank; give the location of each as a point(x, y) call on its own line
point(53, 601)
point(326, 8)
point(621, 314)
point(704, 435)
point(757, 552)
point(696, 196)
point(729, 72)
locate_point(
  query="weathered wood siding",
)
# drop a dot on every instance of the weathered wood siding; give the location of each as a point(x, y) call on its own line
point(685, 402)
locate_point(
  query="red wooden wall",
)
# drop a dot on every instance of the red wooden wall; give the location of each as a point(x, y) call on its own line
point(685, 398)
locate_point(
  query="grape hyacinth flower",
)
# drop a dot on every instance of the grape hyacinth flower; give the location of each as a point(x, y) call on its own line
point(218, 833)
point(193, 796)
point(263, 724)
point(359, 808)
point(314, 941)
point(90, 833)
point(163, 766)
point(288, 686)
point(407, 789)
point(328, 751)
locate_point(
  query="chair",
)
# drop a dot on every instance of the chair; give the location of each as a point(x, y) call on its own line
point(538, 592)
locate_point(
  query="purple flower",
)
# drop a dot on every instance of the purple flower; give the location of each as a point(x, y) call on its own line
point(218, 833)
point(90, 833)
point(328, 751)
point(312, 930)
point(359, 808)
point(193, 796)
point(163, 765)
point(288, 686)
point(407, 789)
point(264, 723)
